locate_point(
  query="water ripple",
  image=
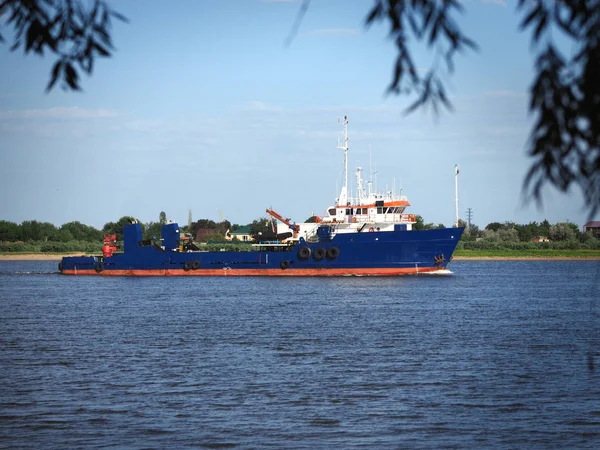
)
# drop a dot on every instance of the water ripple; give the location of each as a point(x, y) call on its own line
point(500, 355)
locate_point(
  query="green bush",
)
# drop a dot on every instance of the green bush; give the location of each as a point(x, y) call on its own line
point(93, 247)
point(19, 247)
point(70, 247)
point(237, 247)
point(593, 244)
point(51, 247)
point(500, 245)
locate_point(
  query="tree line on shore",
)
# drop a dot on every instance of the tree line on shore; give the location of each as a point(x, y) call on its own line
point(33, 236)
point(514, 236)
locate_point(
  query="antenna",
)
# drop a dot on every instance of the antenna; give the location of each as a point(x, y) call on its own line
point(375, 177)
point(370, 182)
point(456, 172)
point(370, 165)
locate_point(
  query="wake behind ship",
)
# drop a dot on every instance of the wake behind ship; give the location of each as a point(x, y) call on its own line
point(366, 235)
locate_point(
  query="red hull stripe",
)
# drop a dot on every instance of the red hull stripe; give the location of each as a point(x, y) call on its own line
point(260, 272)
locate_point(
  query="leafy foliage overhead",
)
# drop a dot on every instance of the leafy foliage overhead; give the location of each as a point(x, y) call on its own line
point(75, 33)
point(428, 21)
point(564, 97)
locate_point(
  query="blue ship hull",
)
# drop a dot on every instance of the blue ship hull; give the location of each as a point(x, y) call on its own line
point(397, 252)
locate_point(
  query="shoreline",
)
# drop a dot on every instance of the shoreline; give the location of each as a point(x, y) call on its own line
point(526, 258)
point(58, 257)
point(38, 256)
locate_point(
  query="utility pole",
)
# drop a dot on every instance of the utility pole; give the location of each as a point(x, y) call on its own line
point(469, 217)
point(189, 221)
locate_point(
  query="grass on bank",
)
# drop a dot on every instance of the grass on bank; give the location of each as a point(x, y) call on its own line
point(528, 253)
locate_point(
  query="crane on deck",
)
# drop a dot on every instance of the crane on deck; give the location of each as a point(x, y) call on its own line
point(295, 228)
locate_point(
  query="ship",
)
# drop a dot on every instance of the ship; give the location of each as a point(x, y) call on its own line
point(366, 234)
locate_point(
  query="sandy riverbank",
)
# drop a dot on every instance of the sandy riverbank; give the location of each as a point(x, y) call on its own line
point(35, 256)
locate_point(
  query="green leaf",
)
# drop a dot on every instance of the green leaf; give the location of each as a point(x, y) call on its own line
point(101, 49)
point(374, 14)
point(33, 34)
point(532, 15)
point(541, 26)
point(119, 16)
point(71, 77)
point(55, 72)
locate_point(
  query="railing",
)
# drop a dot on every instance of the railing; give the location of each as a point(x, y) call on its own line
point(387, 197)
point(371, 218)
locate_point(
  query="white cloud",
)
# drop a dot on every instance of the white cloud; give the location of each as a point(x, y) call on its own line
point(60, 113)
point(145, 125)
point(506, 131)
point(334, 32)
point(506, 94)
point(340, 109)
point(256, 105)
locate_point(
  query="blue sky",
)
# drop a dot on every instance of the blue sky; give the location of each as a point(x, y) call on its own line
point(203, 107)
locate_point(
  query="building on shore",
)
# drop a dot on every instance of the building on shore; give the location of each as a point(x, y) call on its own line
point(593, 227)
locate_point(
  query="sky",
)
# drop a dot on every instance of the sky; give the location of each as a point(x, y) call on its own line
point(204, 107)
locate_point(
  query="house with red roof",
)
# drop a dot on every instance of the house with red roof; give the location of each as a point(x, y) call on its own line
point(593, 227)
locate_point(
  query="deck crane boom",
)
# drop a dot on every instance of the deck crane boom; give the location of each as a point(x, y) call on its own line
point(295, 228)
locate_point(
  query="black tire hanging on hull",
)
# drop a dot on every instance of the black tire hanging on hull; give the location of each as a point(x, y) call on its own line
point(319, 254)
point(333, 252)
point(304, 253)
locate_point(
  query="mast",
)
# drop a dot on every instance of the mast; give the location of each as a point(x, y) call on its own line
point(456, 171)
point(370, 182)
point(360, 191)
point(344, 193)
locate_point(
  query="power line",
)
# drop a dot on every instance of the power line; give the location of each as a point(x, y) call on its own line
point(469, 217)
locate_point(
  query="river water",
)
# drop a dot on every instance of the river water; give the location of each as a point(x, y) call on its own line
point(497, 354)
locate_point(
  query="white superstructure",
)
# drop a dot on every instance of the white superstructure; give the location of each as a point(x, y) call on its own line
point(366, 212)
